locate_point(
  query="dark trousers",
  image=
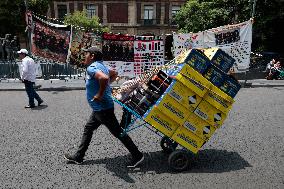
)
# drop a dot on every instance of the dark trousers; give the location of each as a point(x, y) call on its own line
point(106, 117)
point(32, 94)
point(126, 119)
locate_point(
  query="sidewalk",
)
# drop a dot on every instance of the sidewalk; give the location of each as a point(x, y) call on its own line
point(49, 85)
point(79, 84)
point(254, 83)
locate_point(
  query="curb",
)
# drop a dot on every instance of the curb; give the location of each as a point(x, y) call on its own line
point(257, 85)
point(52, 89)
point(243, 85)
point(266, 85)
point(49, 89)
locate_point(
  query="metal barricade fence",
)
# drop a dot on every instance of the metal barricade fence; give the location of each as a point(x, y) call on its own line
point(10, 69)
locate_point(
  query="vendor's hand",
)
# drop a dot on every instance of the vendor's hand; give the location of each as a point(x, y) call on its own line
point(117, 78)
point(97, 98)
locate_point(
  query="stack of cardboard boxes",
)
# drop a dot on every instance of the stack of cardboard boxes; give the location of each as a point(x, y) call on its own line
point(198, 101)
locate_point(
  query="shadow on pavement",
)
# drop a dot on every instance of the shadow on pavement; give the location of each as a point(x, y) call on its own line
point(206, 161)
point(40, 107)
point(115, 165)
point(217, 161)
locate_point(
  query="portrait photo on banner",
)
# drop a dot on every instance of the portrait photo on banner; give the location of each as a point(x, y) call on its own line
point(118, 51)
point(80, 40)
point(118, 47)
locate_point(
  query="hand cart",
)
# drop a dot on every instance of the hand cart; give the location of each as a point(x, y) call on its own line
point(191, 106)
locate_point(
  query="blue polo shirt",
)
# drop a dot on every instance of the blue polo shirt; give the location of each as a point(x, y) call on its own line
point(92, 87)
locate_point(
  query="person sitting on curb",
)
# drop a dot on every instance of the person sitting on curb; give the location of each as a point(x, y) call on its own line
point(268, 69)
point(276, 71)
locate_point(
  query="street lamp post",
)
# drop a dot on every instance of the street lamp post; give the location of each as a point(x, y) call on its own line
point(28, 29)
point(253, 8)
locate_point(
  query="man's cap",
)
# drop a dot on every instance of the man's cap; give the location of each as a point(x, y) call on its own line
point(92, 49)
point(23, 51)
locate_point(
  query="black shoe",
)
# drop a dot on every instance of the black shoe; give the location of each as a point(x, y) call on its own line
point(73, 159)
point(29, 106)
point(136, 161)
point(40, 102)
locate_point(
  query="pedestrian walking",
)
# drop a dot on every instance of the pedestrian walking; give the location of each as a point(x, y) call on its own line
point(98, 92)
point(28, 77)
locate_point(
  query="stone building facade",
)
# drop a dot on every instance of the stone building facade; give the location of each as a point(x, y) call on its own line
point(134, 17)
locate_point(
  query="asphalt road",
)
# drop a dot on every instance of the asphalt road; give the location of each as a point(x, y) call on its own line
point(247, 152)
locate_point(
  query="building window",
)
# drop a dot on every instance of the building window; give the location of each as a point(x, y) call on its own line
point(91, 10)
point(148, 14)
point(117, 12)
point(62, 11)
point(175, 9)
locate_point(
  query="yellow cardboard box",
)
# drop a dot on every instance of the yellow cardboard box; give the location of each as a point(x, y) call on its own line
point(219, 99)
point(184, 96)
point(220, 58)
point(173, 109)
point(187, 139)
point(199, 127)
point(209, 113)
point(161, 122)
point(197, 60)
point(193, 80)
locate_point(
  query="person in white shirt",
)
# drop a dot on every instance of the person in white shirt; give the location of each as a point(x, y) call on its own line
point(28, 77)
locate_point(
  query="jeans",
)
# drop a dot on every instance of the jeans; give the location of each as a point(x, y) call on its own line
point(32, 94)
point(106, 117)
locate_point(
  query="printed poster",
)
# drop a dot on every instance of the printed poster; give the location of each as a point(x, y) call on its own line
point(148, 53)
point(233, 39)
point(50, 41)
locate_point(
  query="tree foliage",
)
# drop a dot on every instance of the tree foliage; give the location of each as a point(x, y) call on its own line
point(12, 14)
point(38, 6)
point(80, 19)
point(199, 15)
point(268, 26)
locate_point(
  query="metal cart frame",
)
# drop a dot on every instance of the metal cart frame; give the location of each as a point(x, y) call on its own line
point(179, 159)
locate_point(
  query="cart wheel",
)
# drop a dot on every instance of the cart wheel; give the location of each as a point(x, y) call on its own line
point(179, 160)
point(168, 145)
